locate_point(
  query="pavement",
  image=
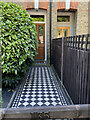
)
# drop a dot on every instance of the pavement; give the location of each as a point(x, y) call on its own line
point(40, 89)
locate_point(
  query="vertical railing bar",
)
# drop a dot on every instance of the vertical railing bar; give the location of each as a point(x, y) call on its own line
point(73, 40)
point(62, 59)
point(86, 42)
point(82, 37)
point(70, 41)
point(66, 41)
point(79, 41)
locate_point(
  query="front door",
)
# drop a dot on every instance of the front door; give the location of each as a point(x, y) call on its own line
point(41, 42)
point(63, 31)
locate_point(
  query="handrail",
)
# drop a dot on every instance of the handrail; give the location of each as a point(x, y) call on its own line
point(69, 111)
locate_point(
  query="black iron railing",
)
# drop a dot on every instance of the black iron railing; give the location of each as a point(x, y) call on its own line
point(71, 60)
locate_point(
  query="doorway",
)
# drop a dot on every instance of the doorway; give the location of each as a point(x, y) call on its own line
point(41, 42)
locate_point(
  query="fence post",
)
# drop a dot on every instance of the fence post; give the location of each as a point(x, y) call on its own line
point(62, 59)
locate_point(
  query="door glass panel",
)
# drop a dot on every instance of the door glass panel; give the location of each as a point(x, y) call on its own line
point(41, 34)
point(59, 33)
point(65, 32)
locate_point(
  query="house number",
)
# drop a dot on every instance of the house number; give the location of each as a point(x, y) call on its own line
point(43, 115)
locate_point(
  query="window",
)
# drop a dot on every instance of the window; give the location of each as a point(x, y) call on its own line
point(38, 18)
point(63, 18)
point(63, 31)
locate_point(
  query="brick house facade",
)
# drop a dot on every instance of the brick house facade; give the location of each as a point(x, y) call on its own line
point(77, 15)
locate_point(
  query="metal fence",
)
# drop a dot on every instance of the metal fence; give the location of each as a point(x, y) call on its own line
point(71, 60)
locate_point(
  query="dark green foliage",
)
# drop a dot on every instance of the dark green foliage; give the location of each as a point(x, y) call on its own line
point(38, 19)
point(19, 40)
point(11, 80)
point(63, 18)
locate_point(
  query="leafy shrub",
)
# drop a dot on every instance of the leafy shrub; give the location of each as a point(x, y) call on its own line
point(11, 81)
point(18, 36)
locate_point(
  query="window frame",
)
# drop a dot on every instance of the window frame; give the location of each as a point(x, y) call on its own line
point(63, 27)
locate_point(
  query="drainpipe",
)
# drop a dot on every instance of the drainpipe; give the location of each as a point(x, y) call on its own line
point(50, 30)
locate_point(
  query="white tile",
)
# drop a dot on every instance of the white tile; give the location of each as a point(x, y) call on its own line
point(47, 103)
point(60, 103)
point(58, 99)
point(54, 103)
point(46, 95)
point(32, 103)
point(39, 88)
point(19, 104)
point(39, 99)
point(26, 99)
point(40, 103)
point(45, 91)
point(39, 91)
point(53, 99)
point(33, 99)
point(21, 99)
point(25, 103)
point(27, 96)
point(39, 95)
point(45, 88)
point(51, 91)
point(33, 95)
point(46, 99)
point(33, 91)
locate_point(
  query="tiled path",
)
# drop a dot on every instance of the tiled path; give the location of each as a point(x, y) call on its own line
point(40, 89)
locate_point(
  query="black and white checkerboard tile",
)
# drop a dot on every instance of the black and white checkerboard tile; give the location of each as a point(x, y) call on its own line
point(39, 90)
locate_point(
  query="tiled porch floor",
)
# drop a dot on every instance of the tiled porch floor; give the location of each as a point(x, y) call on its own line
point(40, 89)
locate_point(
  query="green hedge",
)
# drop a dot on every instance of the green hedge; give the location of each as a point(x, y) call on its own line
point(19, 40)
